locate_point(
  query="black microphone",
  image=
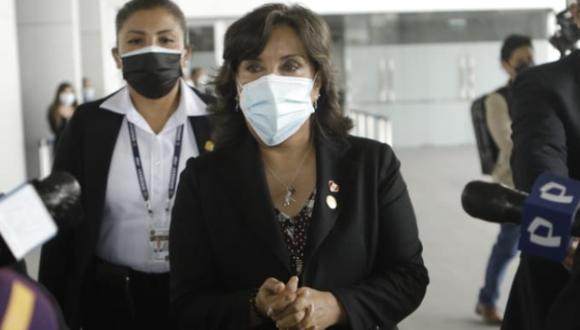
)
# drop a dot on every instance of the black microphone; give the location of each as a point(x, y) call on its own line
point(493, 202)
point(60, 192)
point(497, 203)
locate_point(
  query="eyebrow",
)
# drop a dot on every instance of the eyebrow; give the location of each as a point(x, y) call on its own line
point(293, 55)
point(143, 32)
point(283, 57)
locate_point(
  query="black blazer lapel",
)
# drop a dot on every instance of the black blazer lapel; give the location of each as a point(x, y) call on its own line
point(101, 138)
point(201, 130)
point(244, 178)
point(332, 168)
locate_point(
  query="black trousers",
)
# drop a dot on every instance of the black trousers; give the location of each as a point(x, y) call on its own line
point(122, 298)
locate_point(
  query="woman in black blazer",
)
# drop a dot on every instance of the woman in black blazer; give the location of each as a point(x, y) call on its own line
point(126, 151)
point(291, 222)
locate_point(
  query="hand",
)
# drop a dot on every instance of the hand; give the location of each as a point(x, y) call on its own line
point(568, 262)
point(274, 296)
point(312, 309)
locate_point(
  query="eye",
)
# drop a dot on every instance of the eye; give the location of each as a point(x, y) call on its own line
point(135, 41)
point(166, 40)
point(291, 66)
point(253, 67)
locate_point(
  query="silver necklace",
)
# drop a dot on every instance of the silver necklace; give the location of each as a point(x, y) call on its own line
point(290, 189)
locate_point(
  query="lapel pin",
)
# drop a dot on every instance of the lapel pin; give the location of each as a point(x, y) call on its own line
point(331, 202)
point(209, 145)
point(333, 186)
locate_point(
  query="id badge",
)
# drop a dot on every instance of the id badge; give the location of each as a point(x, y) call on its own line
point(159, 242)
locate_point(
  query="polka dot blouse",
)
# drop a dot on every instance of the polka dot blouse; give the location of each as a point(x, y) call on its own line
point(294, 230)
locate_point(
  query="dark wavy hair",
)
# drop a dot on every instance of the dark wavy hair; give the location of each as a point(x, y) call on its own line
point(246, 39)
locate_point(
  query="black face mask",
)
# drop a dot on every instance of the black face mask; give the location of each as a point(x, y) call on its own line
point(152, 74)
point(523, 67)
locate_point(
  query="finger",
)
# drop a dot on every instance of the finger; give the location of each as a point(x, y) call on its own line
point(272, 285)
point(291, 320)
point(306, 322)
point(284, 309)
point(304, 292)
point(281, 303)
point(292, 284)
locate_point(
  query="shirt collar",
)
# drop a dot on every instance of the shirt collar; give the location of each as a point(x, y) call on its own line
point(190, 105)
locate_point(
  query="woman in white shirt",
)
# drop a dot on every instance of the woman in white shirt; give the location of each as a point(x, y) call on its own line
point(127, 151)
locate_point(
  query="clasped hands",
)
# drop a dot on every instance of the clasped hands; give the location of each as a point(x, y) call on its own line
point(296, 308)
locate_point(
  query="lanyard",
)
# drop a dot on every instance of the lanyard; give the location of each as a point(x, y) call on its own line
point(141, 173)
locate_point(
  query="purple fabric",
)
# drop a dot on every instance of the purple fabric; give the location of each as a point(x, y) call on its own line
point(44, 315)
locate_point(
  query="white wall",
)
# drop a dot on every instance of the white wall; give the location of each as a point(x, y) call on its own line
point(91, 43)
point(429, 108)
point(112, 76)
point(228, 8)
point(49, 47)
point(12, 164)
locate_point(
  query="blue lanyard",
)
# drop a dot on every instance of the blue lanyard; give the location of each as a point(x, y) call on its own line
point(141, 173)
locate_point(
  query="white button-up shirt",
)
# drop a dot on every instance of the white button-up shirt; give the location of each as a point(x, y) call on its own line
point(124, 234)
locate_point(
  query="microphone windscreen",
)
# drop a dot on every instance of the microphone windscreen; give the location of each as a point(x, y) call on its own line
point(61, 193)
point(493, 202)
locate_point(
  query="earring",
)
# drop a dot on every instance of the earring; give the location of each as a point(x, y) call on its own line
point(315, 104)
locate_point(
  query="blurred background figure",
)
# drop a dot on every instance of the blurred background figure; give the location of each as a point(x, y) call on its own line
point(89, 93)
point(517, 55)
point(61, 109)
point(199, 79)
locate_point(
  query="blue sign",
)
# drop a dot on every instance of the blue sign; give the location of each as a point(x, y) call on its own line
point(548, 216)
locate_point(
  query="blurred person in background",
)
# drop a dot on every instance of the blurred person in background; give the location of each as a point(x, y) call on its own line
point(517, 55)
point(198, 77)
point(61, 109)
point(89, 93)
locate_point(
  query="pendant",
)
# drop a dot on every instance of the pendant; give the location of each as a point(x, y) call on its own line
point(289, 197)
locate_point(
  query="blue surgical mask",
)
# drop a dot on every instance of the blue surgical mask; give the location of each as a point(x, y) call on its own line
point(276, 106)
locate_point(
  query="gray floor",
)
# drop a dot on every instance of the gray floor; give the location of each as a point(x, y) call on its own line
point(456, 247)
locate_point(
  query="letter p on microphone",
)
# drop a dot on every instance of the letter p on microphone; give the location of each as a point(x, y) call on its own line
point(549, 212)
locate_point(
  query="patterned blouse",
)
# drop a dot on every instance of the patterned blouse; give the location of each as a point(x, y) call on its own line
point(294, 230)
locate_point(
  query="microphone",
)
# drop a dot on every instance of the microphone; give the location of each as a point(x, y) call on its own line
point(33, 213)
point(493, 202)
point(547, 215)
point(61, 193)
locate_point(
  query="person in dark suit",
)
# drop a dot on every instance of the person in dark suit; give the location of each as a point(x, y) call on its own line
point(546, 138)
point(127, 151)
point(290, 222)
